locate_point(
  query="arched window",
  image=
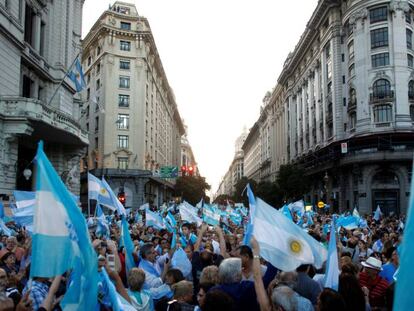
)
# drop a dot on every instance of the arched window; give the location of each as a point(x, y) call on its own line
point(412, 112)
point(382, 113)
point(352, 120)
point(411, 90)
point(381, 89)
point(352, 97)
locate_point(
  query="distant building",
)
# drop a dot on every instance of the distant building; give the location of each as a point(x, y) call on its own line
point(187, 155)
point(39, 40)
point(133, 121)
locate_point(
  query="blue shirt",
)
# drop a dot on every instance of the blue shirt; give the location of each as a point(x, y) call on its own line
point(388, 271)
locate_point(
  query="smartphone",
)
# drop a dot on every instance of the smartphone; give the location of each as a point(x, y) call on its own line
point(110, 259)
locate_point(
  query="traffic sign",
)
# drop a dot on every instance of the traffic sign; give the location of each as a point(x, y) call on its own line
point(169, 171)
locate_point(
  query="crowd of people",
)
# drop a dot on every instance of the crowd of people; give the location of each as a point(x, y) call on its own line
point(218, 272)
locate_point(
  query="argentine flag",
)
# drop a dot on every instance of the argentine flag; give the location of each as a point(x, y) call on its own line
point(94, 187)
point(108, 198)
point(77, 76)
point(284, 244)
point(24, 198)
point(102, 228)
point(24, 216)
point(189, 213)
point(153, 219)
point(332, 268)
point(348, 222)
point(128, 245)
point(211, 216)
point(252, 207)
point(60, 235)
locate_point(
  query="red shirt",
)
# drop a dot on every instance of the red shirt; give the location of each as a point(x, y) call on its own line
point(377, 289)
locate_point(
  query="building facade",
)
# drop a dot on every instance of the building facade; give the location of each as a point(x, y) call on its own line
point(39, 41)
point(187, 156)
point(132, 117)
point(252, 154)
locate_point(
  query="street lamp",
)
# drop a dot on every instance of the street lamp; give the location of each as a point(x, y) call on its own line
point(27, 173)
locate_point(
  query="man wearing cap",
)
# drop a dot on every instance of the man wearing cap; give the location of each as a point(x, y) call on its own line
point(376, 285)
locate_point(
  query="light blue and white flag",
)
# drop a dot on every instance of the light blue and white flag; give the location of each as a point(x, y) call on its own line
point(285, 211)
point(77, 76)
point(332, 268)
point(144, 206)
point(284, 244)
point(128, 245)
point(348, 222)
point(24, 217)
point(171, 220)
point(60, 235)
point(181, 262)
point(109, 199)
point(24, 198)
point(403, 297)
point(117, 302)
point(189, 213)
point(252, 210)
point(94, 187)
point(378, 213)
point(102, 228)
point(153, 219)
point(355, 213)
point(297, 207)
point(211, 216)
point(200, 204)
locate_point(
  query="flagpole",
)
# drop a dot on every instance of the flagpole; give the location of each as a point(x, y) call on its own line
point(61, 82)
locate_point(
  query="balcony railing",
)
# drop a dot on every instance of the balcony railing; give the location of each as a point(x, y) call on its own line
point(15, 106)
point(381, 97)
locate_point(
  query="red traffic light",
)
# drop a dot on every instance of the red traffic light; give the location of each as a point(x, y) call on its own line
point(183, 168)
point(121, 198)
point(190, 170)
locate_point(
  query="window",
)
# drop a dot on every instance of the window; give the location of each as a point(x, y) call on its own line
point(379, 37)
point(352, 120)
point(98, 51)
point(89, 60)
point(125, 26)
point(98, 84)
point(96, 142)
point(409, 34)
point(88, 94)
point(123, 163)
point(123, 121)
point(124, 64)
point(123, 10)
point(378, 14)
point(125, 46)
point(381, 59)
point(408, 17)
point(351, 70)
point(412, 112)
point(351, 50)
point(411, 90)
point(96, 123)
point(29, 21)
point(96, 103)
point(98, 69)
point(381, 89)
point(123, 141)
point(410, 61)
point(42, 38)
point(88, 78)
point(124, 82)
point(27, 87)
point(123, 100)
point(382, 113)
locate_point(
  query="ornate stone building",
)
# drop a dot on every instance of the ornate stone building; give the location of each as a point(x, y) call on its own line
point(343, 107)
point(39, 41)
point(131, 114)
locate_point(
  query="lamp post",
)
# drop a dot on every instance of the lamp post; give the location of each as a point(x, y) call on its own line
point(325, 180)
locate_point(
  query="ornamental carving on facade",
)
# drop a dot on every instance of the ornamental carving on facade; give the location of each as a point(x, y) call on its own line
point(361, 14)
point(399, 5)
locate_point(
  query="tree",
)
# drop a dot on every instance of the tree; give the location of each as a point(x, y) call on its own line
point(239, 190)
point(270, 193)
point(191, 188)
point(292, 182)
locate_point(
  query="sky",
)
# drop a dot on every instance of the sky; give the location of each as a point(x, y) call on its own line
point(220, 58)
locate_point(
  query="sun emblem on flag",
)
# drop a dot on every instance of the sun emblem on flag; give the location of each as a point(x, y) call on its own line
point(103, 191)
point(295, 246)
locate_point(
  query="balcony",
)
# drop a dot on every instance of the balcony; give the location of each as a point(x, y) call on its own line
point(43, 119)
point(381, 97)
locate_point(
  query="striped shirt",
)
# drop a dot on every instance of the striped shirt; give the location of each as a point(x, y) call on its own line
point(377, 289)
